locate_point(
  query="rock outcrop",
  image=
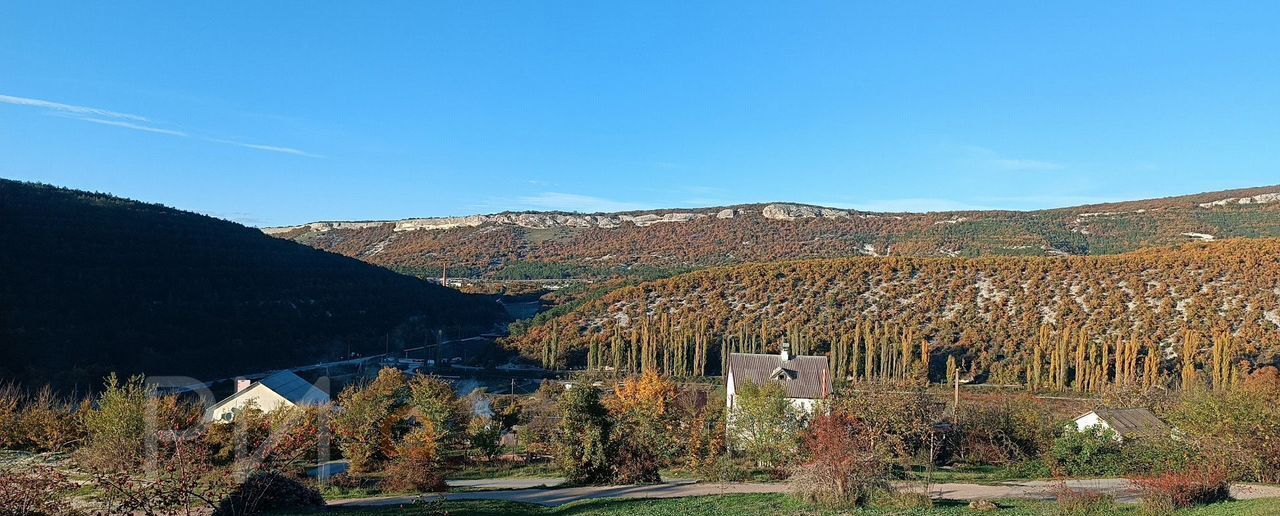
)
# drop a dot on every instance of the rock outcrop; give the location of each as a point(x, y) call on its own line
point(547, 220)
point(800, 211)
point(1256, 199)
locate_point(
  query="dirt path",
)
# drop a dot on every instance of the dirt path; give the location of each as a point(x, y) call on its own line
point(531, 490)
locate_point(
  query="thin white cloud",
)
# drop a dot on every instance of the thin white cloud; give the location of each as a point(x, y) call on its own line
point(282, 150)
point(131, 121)
point(1039, 202)
point(268, 148)
point(1027, 164)
point(991, 159)
point(574, 202)
point(68, 108)
point(131, 125)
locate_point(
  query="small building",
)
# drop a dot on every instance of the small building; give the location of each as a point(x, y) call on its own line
point(806, 378)
point(281, 389)
point(510, 438)
point(1126, 423)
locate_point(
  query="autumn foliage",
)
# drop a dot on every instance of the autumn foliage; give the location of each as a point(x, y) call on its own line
point(1182, 489)
point(1086, 324)
point(849, 461)
point(509, 251)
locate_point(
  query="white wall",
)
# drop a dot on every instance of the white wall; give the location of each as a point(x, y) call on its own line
point(805, 404)
point(1091, 421)
point(729, 393)
point(730, 398)
point(265, 399)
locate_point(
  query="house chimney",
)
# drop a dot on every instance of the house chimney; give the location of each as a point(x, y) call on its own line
point(786, 352)
point(242, 383)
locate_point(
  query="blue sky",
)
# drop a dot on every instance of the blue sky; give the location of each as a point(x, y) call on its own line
point(276, 113)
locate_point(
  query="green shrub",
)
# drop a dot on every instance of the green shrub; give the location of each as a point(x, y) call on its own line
point(116, 427)
point(1156, 455)
point(484, 436)
point(1031, 468)
point(1003, 430)
point(764, 425)
point(728, 469)
point(1240, 428)
point(1092, 452)
point(582, 438)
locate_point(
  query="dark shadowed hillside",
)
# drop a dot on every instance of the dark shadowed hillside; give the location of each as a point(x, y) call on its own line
point(91, 283)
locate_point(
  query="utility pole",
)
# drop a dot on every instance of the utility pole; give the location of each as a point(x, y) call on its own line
point(955, 404)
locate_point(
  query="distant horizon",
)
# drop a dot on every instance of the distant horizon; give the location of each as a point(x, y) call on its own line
point(672, 208)
point(342, 111)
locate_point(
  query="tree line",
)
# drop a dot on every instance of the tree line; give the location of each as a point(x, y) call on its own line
point(1065, 324)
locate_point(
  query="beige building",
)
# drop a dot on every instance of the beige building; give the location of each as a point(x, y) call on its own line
point(282, 389)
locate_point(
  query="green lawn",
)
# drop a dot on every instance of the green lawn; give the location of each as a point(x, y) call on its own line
point(751, 504)
point(506, 470)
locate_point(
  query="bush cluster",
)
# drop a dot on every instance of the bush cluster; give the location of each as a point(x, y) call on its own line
point(1182, 489)
point(266, 492)
point(627, 436)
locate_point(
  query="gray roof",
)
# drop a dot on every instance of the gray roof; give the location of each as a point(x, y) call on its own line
point(289, 386)
point(293, 388)
point(804, 376)
point(1132, 421)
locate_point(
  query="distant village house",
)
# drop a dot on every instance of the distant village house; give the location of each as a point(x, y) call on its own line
point(282, 389)
point(1126, 423)
point(805, 378)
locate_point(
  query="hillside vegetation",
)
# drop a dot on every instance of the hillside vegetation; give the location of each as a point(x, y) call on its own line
point(94, 283)
point(995, 316)
point(562, 245)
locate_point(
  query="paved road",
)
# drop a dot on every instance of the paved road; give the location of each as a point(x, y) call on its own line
point(532, 490)
point(506, 483)
point(559, 496)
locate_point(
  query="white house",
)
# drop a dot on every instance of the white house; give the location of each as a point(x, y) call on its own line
point(806, 378)
point(1125, 423)
point(282, 389)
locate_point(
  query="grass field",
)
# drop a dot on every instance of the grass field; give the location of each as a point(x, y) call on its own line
point(751, 504)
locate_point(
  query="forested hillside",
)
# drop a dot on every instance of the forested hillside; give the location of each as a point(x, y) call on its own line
point(1005, 319)
point(94, 283)
point(562, 245)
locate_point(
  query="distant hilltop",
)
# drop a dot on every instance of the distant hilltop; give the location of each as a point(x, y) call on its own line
point(769, 211)
point(564, 245)
point(545, 220)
